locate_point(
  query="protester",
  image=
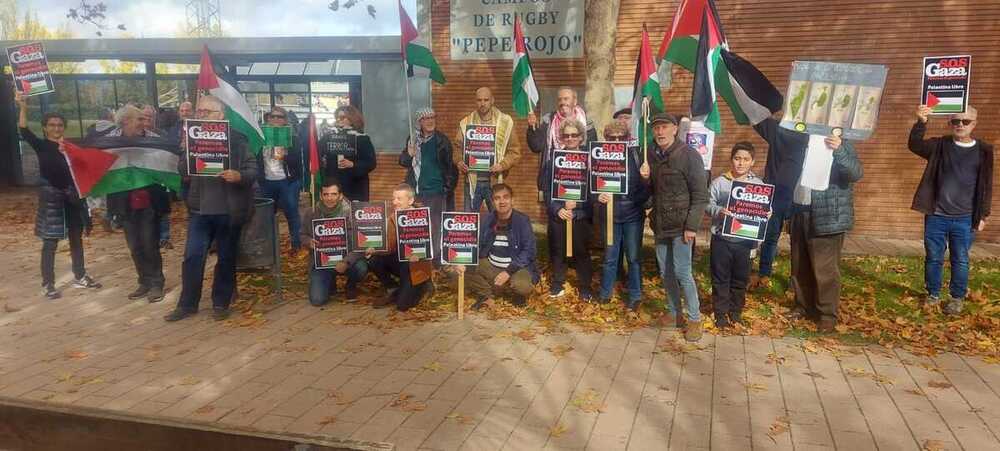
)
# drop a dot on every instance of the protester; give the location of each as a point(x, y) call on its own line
point(414, 275)
point(61, 211)
point(579, 214)
point(140, 212)
point(954, 195)
point(173, 129)
point(544, 136)
point(323, 282)
point(352, 172)
point(730, 257)
point(281, 168)
point(477, 188)
point(506, 254)
point(622, 117)
point(629, 216)
point(676, 174)
point(430, 169)
point(217, 209)
point(820, 220)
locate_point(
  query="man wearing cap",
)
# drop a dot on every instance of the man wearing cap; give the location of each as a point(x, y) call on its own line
point(676, 175)
point(543, 136)
point(954, 195)
point(623, 117)
point(430, 169)
point(478, 186)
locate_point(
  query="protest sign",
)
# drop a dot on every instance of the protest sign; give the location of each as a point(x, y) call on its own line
point(609, 167)
point(413, 234)
point(342, 145)
point(277, 136)
point(826, 98)
point(480, 147)
point(749, 206)
point(207, 147)
point(702, 139)
point(945, 88)
point(369, 224)
point(329, 242)
point(569, 175)
point(30, 69)
point(460, 238)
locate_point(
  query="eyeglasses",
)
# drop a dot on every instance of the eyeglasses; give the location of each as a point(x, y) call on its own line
point(277, 116)
point(955, 122)
point(204, 112)
point(570, 135)
point(615, 137)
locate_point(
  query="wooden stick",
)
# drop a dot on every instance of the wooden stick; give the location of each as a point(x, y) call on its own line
point(569, 238)
point(461, 295)
point(645, 129)
point(611, 222)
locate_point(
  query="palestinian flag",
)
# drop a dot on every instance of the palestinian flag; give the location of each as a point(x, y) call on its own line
point(609, 185)
point(137, 162)
point(455, 256)
point(479, 163)
point(563, 192)
point(416, 51)
point(946, 101)
point(208, 167)
point(645, 86)
point(744, 230)
point(237, 111)
point(32, 87)
point(522, 82)
point(750, 95)
point(414, 251)
point(369, 240)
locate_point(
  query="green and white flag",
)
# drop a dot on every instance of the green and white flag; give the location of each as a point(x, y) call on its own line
point(237, 112)
point(416, 51)
point(525, 93)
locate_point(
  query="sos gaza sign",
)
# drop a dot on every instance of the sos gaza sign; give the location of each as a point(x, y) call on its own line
point(950, 67)
point(460, 238)
point(460, 222)
point(760, 194)
point(213, 132)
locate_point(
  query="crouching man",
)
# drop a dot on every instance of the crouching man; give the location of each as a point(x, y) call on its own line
point(506, 254)
point(323, 282)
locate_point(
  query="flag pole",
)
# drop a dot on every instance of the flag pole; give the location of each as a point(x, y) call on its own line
point(569, 235)
point(645, 130)
point(611, 222)
point(409, 108)
point(461, 295)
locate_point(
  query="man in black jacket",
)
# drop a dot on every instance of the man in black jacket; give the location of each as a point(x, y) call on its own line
point(954, 195)
point(280, 169)
point(430, 168)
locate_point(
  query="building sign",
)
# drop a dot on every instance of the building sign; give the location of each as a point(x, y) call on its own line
point(484, 29)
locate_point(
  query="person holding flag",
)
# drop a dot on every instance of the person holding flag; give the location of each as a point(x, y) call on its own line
point(282, 167)
point(61, 211)
point(352, 170)
point(544, 136)
point(430, 169)
point(477, 191)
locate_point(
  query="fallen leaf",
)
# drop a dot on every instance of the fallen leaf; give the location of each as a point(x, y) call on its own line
point(933, 445)
point(939, 384)
point(780, 426)
point(189, 380)
point(915, 391)
point(588, 401)
point(557, 430)
point(10, 308)
point(559, 350)
point(327, 420)
point(76, 355)
point(757, 387)
point(774, 358)
point(433, 366)
point(204, 409)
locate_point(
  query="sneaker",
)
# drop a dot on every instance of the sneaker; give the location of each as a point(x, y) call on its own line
point(586, 296)
point(383, 302)
point(722, 321)
point(693, 331)
point(826, 326)
point(932, 300)
point(220, 313)
point(479, 304)
point(556, 291)
point(633, 305)
point(139, 292)
point(178, 314)
point(49, 291)
point(155, 294)
point(953, 307)
point(86, 282)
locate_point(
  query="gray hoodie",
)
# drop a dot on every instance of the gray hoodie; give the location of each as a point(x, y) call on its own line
point(718, 197)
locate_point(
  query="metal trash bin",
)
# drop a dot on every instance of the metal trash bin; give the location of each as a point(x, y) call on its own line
point(258, 248)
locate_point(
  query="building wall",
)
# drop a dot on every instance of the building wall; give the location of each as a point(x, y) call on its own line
point(772, 34)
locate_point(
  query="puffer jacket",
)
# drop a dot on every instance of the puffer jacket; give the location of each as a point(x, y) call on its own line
point(832, 209)
point(50, 219)
point(680, 191)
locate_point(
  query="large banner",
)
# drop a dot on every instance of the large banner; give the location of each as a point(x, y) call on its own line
point(460, 238)
point(369, 224)
point(946, 83)
point(609, 167)
point(834, 98)
point(480, 147)
point(569, 175)
point(329, 242)
point(207, 147)
point(30, 69)
point(484, 29)
point(413, 234)
point(750, 207)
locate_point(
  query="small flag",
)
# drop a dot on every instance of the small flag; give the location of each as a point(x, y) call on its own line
point(525, 93)
point(208, 167)
point(479, 163)
point(416, 50)
point(569, 193)
point(414, 251)
point(373, 240)
point(87, 166)
point(946, 101)
point(456, 256)
point(745, 230)
point(609, 185)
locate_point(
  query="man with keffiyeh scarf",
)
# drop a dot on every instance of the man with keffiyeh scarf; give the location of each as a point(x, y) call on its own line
point(478, 189)
point(430, 169)
point(543, 136)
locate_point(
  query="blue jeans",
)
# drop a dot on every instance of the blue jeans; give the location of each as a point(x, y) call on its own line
point(769, 249)
point(202, 230)
point(955, 235)
point(629, 236)
point(674, 259)
point(165, 228)
point(322, 282)
point(285, 194)
point(483, 193)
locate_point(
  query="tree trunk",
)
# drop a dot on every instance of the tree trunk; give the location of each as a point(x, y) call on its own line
point(599, 32)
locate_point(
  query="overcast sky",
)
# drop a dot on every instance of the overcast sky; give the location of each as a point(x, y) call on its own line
point(240, 18)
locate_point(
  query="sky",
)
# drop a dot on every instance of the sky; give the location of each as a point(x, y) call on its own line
point(240, 18)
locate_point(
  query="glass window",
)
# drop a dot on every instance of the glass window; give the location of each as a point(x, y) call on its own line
point(319, 68)
point(253, 86)
point(291, 68)
point(97, 101)
point(297, 103)
point(242, 70)
point(326, 86)
point(291, 87)
point(259, 103)
point(263, 68)
point(170, 93)
point(132, 91)
point(64, 101)
point(347, 67)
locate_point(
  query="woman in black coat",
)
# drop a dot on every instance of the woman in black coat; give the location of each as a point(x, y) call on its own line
point(350, 167)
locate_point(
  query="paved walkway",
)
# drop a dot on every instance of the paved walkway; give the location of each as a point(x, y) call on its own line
point(477, 384)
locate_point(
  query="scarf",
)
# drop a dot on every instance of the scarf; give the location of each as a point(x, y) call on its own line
point(557, 120)
point(418, 141)
point(504, 125)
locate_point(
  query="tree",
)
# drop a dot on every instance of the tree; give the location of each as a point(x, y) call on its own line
point(30, 28)
point(599, 32)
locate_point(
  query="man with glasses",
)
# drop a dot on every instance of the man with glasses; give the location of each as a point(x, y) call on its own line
point(282, 171)
point(478, 189)
point(954, 195)
point(217, 209)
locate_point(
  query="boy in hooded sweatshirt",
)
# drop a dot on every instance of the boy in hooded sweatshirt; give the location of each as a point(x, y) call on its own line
point(730, 257)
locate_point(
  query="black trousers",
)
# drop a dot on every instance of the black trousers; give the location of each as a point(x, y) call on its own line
point(407, 295)
point(74, 229)
point(142, 233)
point(581, 253)
point(730, 275)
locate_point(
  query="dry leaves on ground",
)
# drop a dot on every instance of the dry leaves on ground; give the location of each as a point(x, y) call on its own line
point(939, 384)
point(780, 426)
point(557, 430)
point(559, 350)
point(589, 401)
point(933, 445)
